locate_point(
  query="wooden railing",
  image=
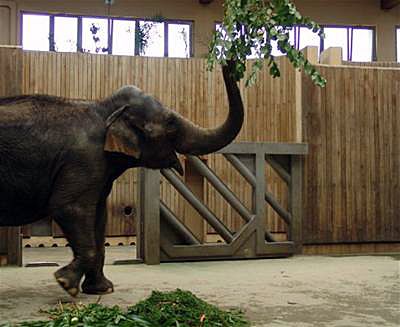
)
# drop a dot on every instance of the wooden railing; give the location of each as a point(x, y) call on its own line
point(254, 239)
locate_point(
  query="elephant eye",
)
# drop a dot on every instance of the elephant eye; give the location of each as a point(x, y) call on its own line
point(171, 122)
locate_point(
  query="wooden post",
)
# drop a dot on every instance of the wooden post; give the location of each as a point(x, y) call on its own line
point(148, 230)
point(14, 246)
point(331, 56)
point(193, 220)
point(311, 54)
point(296, 202)
point(259, 199)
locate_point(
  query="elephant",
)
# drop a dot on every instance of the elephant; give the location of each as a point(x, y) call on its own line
point(59, 158)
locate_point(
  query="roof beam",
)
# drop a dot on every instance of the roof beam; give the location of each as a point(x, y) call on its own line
point(389, 4)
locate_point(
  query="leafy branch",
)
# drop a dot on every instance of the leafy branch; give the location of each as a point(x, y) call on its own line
point(249, 28)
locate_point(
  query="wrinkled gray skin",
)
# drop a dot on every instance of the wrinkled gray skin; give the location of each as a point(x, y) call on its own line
point(59, 158)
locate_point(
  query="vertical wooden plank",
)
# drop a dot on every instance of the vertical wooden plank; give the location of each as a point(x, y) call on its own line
point(331, 56)
point(14, 246)
point(192, 219)
point(3, 238)
point(149, 216)
point(259, 199)
point(296, 203)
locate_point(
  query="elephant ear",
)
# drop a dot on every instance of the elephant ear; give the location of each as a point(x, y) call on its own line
point(120, 137)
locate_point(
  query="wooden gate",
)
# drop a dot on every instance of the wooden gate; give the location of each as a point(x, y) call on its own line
point(165, 237)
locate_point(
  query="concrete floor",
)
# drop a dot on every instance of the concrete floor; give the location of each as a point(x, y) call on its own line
point(299, 291)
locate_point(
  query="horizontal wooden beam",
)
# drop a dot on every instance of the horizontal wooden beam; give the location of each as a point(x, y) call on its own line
point(389, 4)
point(266, 148)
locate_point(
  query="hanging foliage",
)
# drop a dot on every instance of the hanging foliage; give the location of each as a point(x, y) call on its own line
point(250, 27)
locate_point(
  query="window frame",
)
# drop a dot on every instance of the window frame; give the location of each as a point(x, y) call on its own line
point(110, 20)
point(397, 42)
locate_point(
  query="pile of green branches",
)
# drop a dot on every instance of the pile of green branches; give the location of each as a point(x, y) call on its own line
point(162, 309)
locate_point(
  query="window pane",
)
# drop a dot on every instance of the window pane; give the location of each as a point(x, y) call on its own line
point(336, 37)
point(94, 35)
point(35, 32)
point(362, 45)
point(123, 37)
point(65, 34)
point(153, 39)
point(308, 38)
point(398, 44)
point(179, 40)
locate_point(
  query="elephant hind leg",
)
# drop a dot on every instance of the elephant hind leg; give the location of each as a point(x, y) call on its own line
point(78, 222)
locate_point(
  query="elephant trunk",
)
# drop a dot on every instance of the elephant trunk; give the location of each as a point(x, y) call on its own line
point(196, 140)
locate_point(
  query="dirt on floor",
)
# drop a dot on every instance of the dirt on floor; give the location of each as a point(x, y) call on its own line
point(299, 291)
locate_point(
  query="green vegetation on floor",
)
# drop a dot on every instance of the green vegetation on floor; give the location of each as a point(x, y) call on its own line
point(162, 309)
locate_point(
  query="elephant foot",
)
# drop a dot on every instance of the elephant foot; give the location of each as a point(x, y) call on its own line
point(98, 286)
point(68, 280)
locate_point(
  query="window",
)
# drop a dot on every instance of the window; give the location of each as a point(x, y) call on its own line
point(106, 35)
point(358, 43)
point(95, 35)
point(179, 40)
point(398, 43)
point(35, 32)
point(362, 45)
point(152, 41)
point(65, 34)
point(306, 37)
point(123, 41)
point(336, 37)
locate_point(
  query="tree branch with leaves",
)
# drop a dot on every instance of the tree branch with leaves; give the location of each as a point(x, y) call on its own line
point(250, 27)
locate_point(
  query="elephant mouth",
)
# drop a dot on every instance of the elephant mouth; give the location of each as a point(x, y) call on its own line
point(178, 167)
point(172, 161)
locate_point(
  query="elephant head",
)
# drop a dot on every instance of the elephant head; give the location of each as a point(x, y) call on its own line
point(142, 128)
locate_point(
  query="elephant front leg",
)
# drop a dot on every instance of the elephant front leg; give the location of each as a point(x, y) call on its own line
point(78, 223)
point(95, 282)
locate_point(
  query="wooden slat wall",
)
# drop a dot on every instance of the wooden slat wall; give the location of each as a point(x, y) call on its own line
point(10, 84)
point(186, 86)
point(352, 173)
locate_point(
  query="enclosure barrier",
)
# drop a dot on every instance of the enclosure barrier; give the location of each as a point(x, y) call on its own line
point(351, 180)
point(253, 240)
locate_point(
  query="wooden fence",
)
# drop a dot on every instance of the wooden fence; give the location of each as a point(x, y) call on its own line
point(352, 174)
point(351, 187)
